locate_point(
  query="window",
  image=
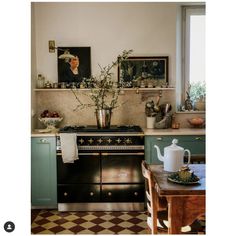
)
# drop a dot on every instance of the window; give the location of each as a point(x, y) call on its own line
point(194, 54)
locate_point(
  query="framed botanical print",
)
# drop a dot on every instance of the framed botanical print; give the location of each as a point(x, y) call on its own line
point(143, 68)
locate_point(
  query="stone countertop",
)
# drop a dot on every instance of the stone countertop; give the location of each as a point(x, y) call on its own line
point(150, 132)
point(37, 133)
point(181, 131)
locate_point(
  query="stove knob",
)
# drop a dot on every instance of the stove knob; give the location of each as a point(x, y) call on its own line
point(109, 140)
point(100, 141)
point(136, 193)
point(118, 140)
point(65, 194)
point(128, 141)
point(109, 193)
point(81, 141)
point(91, 193)
point(90, 140)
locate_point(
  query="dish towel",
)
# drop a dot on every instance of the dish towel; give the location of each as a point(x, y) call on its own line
point(69, 149)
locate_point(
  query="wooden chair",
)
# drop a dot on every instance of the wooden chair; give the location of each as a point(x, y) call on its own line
point(157, 208)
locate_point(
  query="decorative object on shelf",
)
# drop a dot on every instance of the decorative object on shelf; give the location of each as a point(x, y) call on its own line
point(188, 103)
point(104, 93)
point(74, 69)
point(196, 122)
point(143, 68)
point(50, 119)
point(47, 85)
point(40, 81)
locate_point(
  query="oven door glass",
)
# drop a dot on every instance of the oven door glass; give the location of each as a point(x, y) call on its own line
point(122, 167)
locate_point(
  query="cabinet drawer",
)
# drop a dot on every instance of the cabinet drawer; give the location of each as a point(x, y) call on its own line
point(123, 192)
point(78, 193)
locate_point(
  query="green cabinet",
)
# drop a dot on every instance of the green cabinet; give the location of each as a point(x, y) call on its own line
point(43, 171)
point(196, 145)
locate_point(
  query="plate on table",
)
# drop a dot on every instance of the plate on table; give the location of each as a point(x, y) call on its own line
point(193, 180)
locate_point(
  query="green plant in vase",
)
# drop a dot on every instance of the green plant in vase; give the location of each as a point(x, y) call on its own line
point(104, 93)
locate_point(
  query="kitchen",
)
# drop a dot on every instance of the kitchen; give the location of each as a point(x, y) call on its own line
point(151, 30)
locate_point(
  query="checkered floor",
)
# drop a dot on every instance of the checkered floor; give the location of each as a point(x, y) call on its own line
point(54, 222)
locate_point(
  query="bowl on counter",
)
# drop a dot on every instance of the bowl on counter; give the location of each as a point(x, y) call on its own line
point(50, 122)
point(197, 122)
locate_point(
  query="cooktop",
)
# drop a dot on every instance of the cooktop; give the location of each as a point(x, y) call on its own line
point(93, 128)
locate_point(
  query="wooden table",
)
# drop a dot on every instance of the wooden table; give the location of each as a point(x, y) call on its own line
point(185, 202)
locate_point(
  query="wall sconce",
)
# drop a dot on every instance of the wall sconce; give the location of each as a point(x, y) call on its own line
point(65, 56)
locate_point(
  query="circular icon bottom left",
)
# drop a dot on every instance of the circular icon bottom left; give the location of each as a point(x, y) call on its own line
point(9, 226)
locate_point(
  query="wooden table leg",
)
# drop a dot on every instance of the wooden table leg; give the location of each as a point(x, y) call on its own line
point(183, 211)
point(175, 214)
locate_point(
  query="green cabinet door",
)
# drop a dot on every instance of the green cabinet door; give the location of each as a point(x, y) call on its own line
point(196, 145)
point(43, 171)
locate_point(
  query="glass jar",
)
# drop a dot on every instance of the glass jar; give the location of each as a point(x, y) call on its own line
point(40, 81)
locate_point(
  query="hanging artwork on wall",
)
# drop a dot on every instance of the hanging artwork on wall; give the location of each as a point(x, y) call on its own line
point(135, 70)
point(75, 69)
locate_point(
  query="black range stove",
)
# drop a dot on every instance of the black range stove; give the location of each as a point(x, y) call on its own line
point(107, 176)
point(91, 128)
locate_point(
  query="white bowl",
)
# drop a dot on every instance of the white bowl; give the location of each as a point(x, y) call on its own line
point(51, 122)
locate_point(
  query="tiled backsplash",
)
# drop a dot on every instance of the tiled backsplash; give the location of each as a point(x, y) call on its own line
point(132, 112)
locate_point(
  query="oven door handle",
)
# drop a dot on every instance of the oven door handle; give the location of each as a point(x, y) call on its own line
point(83, 154)
point(122, 154)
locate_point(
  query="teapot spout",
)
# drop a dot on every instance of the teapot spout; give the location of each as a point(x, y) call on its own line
point(160, 157)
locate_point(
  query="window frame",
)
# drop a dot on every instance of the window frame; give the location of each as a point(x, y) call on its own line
point(187, 11)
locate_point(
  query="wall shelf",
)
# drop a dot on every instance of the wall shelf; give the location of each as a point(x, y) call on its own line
point(124, 89)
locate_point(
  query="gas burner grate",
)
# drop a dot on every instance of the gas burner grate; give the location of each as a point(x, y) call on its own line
point(121, 128)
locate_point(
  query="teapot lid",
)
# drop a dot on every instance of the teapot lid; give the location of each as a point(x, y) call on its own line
point(174, 145)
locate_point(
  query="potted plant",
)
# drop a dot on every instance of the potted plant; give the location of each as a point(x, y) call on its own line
point(197, 95)
point(104, 92)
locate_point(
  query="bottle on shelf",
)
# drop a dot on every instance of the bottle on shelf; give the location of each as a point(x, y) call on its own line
point(40, 81)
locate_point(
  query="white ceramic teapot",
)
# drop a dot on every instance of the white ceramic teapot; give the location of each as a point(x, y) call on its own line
point(173, 156)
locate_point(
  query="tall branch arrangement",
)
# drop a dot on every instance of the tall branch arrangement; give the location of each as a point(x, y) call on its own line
point(105, 92)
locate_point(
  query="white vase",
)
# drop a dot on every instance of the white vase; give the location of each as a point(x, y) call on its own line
point(151, 122)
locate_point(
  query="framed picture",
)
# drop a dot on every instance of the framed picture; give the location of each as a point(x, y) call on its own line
point(136, 69)
point(76, 69)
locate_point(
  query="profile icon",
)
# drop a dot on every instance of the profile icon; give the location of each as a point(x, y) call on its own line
point(9, 226)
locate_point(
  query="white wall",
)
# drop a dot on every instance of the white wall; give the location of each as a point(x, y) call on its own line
point(108, 28)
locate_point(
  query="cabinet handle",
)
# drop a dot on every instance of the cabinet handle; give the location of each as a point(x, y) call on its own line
point(91, 193)
point(43, 140)
point(159, 138)
point(109, 193)
point(65, 194)
point(136, 193)
point(198, 138)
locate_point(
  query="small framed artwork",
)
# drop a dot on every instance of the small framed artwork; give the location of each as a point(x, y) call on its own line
point(75, 69)
point(135, 70)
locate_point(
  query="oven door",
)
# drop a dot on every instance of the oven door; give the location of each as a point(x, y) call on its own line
point(85, 170)
point(122, 179)
point(122, 167)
